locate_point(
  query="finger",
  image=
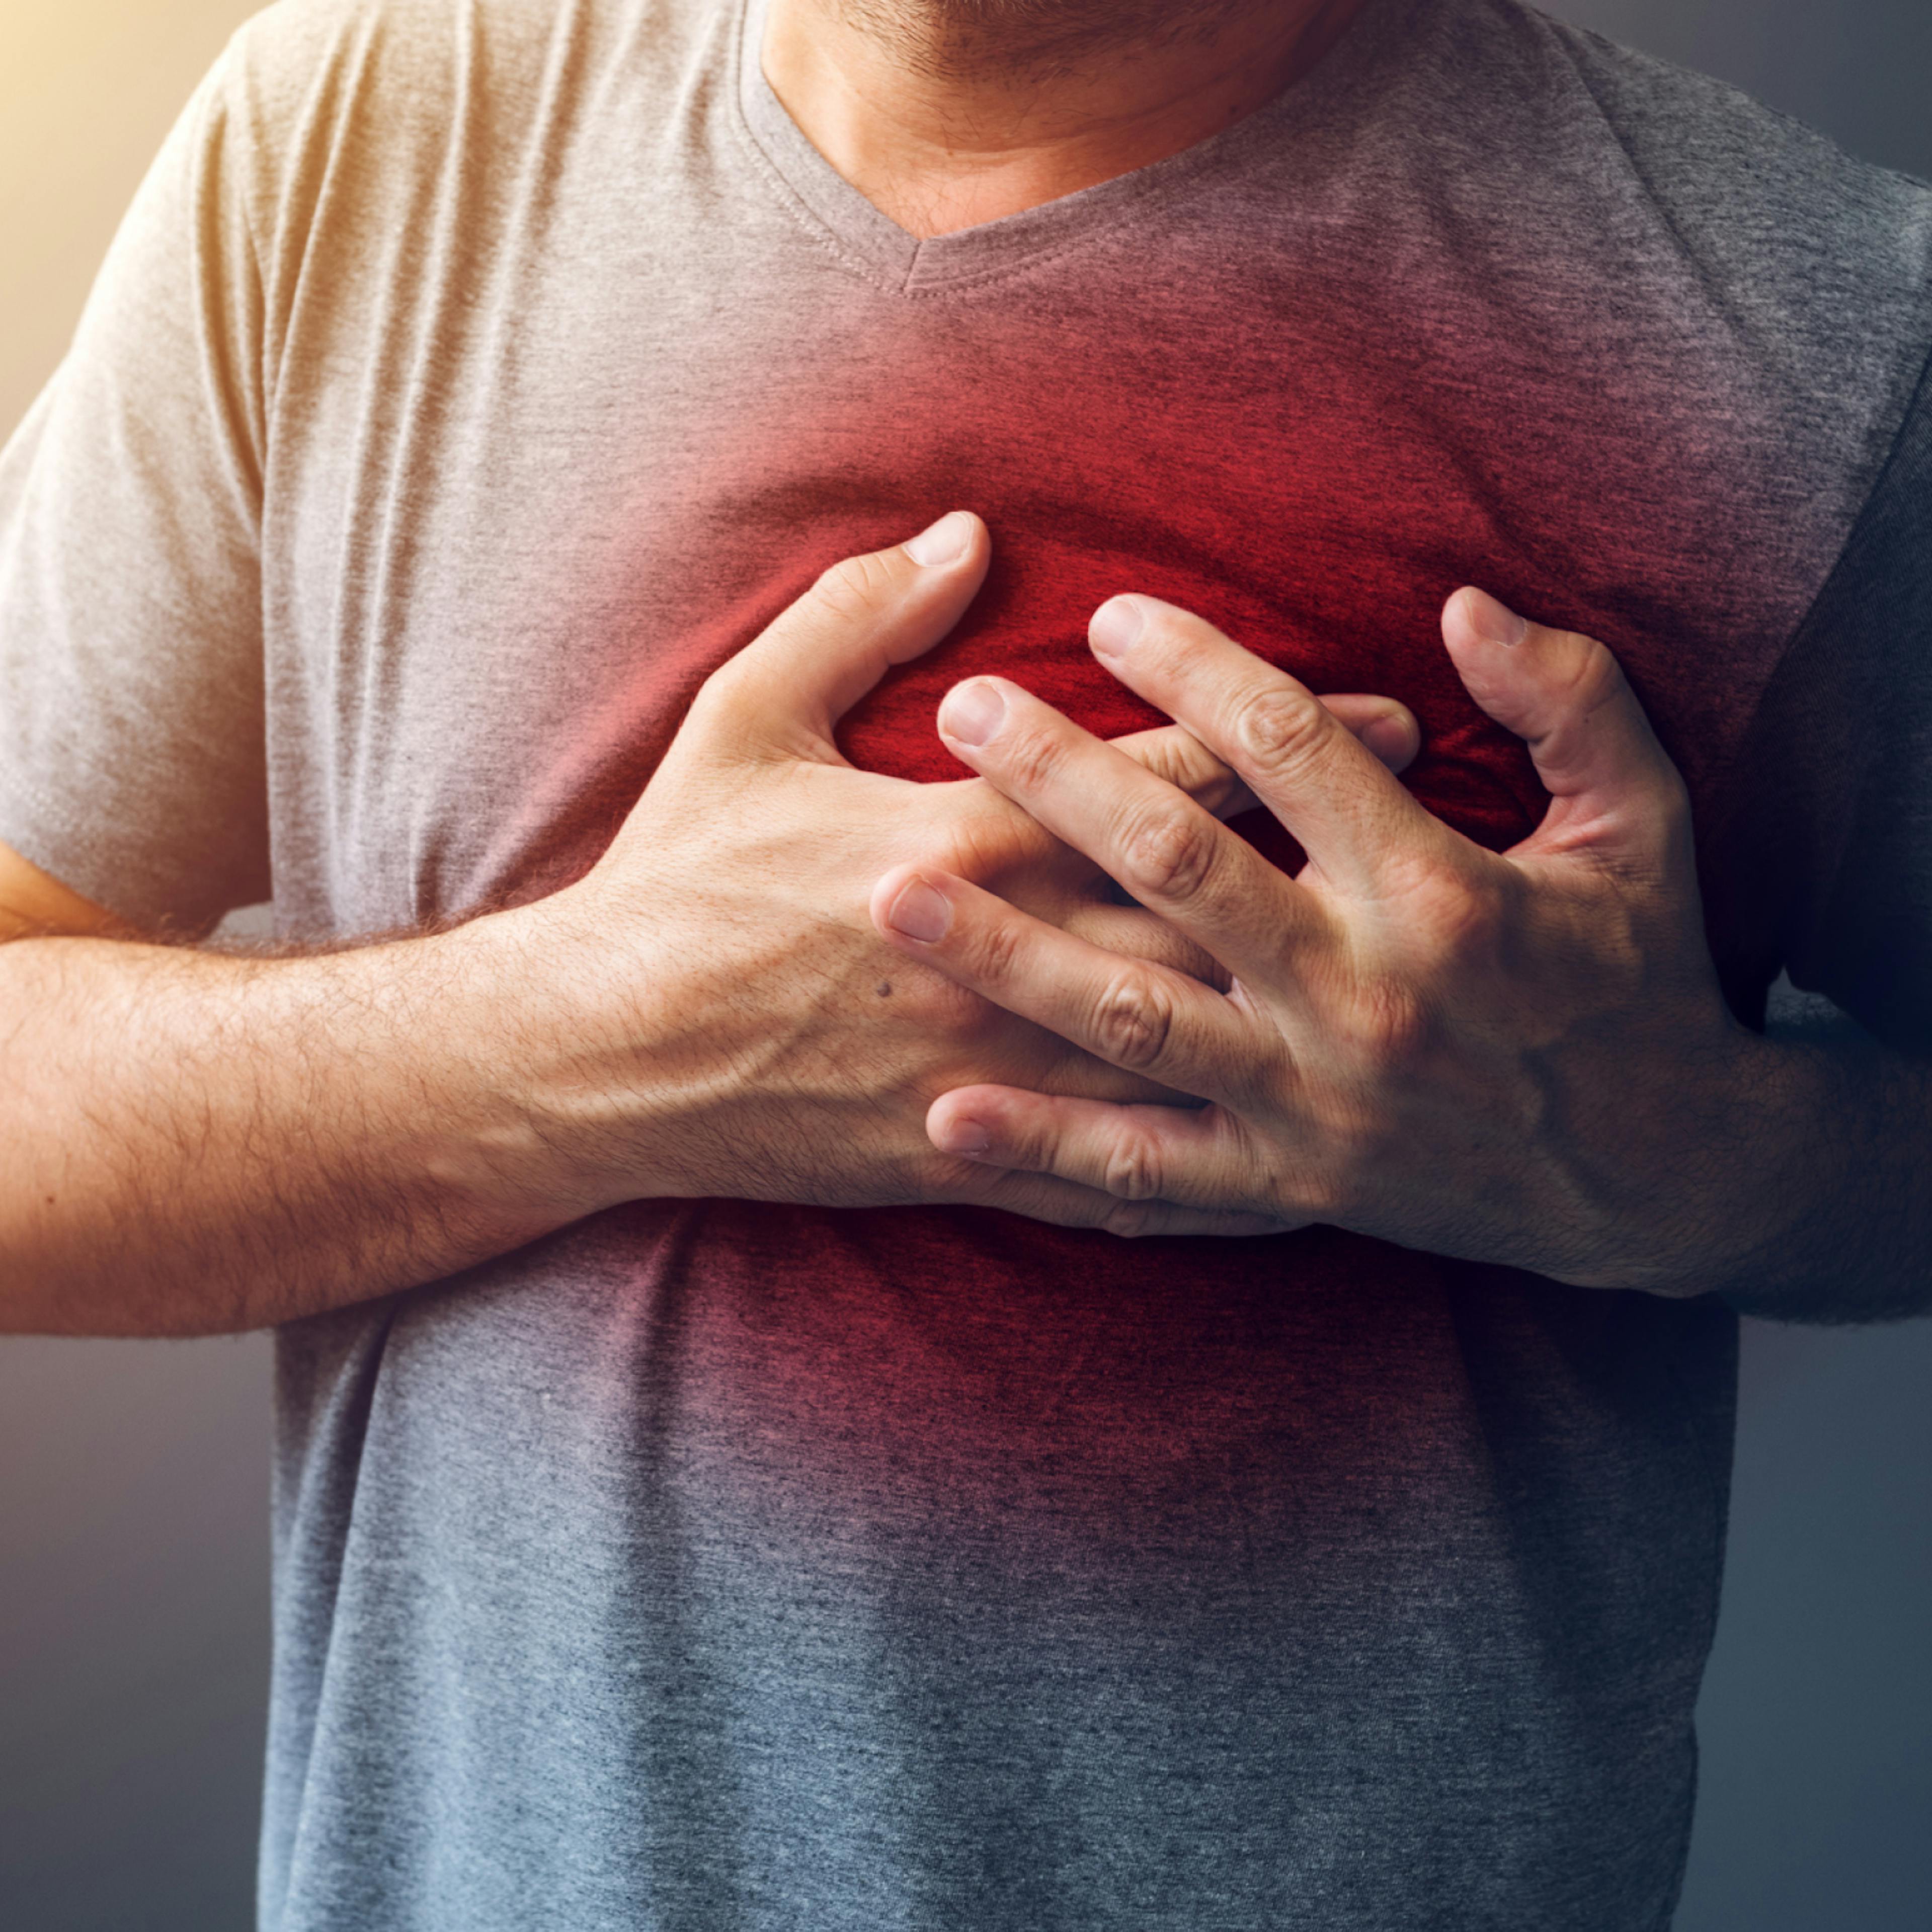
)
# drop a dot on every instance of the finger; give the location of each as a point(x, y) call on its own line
point(1137, 934)
point(1387, 729)
point(1613, 787)
point(997, 843)
point(1001, 836)
point(1338, 800)
point(1170, 855)
point(783, 694)
point(1144, 1018)
point(1171, 752)
point(1201, 1160)
point(1064, 1203)
point(1008, 837)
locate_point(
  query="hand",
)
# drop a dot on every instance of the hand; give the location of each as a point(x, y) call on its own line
point(1522, 1059)
point(746, 1034)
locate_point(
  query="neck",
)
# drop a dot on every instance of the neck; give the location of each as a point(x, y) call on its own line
point(947, 113)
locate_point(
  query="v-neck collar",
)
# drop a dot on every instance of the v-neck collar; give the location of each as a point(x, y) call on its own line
point(875, 245)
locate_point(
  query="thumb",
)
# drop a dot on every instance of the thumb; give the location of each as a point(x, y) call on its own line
point(1613, 790)
point(787, 689)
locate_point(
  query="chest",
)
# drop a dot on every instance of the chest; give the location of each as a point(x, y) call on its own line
point(501, 565)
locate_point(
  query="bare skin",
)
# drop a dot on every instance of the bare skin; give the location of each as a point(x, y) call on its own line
point(951, 113)
point(190, 1143)
point(195, 1143)
point(1523, 1058)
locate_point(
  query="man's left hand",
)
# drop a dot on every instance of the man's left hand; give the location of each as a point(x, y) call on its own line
point(1521, 1058)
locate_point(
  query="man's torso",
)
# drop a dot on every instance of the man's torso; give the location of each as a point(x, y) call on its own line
point(713, 1564)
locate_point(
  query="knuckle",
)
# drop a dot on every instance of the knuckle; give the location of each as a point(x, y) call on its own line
point(1281, 728)
point(1462, 934)
point(997, 946)
point(856, 587)
point(1326, 1171)
point(1589, 679)
point(1394, 1025)
point(1030, 758)
point(1132, 1219)
point(989, 839)
point(1164, 755)
point(1177, 758)
point(1459, 922)
point(1595, 677)
point(1133, 1170)
point(1134, 1021)
point(1145, 935)
point(1168, 854)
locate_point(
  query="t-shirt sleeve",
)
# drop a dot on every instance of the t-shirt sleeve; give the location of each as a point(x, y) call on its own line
point(132, 762)
point(1840, 763)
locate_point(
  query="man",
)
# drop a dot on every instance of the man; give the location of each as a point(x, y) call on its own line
point(709, 1492)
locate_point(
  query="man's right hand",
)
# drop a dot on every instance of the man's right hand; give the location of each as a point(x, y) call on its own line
point(756, 1038)
point(193, 1143)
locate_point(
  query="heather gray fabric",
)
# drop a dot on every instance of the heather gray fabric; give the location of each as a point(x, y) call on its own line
point(471, 377)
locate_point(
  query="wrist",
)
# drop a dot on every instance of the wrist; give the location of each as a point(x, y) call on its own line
point(1847, 1221)
point(572, 1040)
point(1763, 1161)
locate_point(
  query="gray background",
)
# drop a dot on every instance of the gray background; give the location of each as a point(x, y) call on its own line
point(133, 1588)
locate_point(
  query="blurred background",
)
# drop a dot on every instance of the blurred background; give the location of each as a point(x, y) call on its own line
point(134, 1494)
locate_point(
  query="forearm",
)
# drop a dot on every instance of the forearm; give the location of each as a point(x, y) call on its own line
point(1834, 1223)
point(192, 1144)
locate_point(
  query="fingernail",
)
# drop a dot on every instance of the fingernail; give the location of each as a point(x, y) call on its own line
point(1495, 623)
point(1390, 739)
point(963, 1136)
point(920, 912)
point(945, 542)
point(973, 713)
point(1115, 625)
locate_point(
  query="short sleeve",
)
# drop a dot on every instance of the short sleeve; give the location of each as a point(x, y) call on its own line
point(1840, 764)
point(132, 762)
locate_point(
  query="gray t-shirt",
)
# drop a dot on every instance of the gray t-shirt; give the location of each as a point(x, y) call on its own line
point(471, 377)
